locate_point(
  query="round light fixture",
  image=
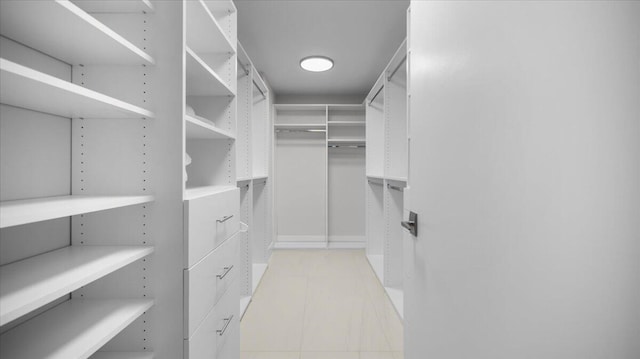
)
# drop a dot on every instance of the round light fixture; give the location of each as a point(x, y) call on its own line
point(316, 63)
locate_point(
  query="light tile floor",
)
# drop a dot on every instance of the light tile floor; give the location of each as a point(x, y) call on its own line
point(320, 304)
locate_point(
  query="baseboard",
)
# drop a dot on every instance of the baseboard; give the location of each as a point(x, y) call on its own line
point(257, 271)
point(244, 304)
point(300, 239)
point(318, 245)
point(397, 299)
point(300, 245)
point(377, 264)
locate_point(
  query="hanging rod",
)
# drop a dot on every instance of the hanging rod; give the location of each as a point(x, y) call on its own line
point(376, 95)
point(397, 67)
point(347, 146)
point(300, 130)
point(395, 187)
point(246, 72)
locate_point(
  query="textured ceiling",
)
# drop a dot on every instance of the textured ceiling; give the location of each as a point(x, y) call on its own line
point(360, 36)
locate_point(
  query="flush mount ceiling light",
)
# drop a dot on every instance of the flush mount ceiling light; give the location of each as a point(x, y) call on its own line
point(316, 63)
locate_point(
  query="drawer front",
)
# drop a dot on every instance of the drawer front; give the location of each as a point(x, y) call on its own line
point(207, 281)
point(209, 221)
point(216, 336)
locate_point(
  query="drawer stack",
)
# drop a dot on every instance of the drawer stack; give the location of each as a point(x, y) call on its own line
point(211, 292)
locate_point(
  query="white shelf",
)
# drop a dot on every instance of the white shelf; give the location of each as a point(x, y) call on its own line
point(74, 329)
point(377, 264)
point(203, 191)
point(199, 129)
point(243, 179)
point(257, 271)
point(375, 177)
point(244, 304)
point(347, 140)
point(346, 123)
point(115, 6)
point(204, 34)
point(202, 80)
point(299, 126)
point(300, 107)
point(14, 213)
point(260, 177)
point(24, 87)
point(122, 355)
point(33, 282)
point(397, 179)
point(63, 30)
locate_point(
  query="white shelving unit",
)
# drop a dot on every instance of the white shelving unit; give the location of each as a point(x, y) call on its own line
point(122, 355)
point(74, 329)
point(36, 281)
point(200, 129)
point(18, 212)
point(23, 87)
point(387, 168)
point(202, 79)
point(97, 113)
point(253, 175)
point(65, 31)
point(76, 215)
point(320, 209)
point(204, 18)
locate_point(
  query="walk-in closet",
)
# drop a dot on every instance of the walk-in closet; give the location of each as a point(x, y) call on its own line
point(319, 179)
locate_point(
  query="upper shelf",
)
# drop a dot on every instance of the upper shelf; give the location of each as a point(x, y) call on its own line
point(14, 213)
point(33, 282)
point(204, 34)
point(196, 128)
point(115, 6)
point(122, 355)
point(63, 30)
point(303, 107)
point(346, 123)
point(24, 87)
point(347, 140)
point(202, 80)
point(76, 328)
point(300, 126)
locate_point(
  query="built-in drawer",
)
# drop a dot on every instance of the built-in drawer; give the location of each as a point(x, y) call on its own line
point(207, 281)
point(217, 334)
point(209, 221)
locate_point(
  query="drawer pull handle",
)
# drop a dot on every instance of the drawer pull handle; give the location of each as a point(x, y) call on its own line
point(224, 219)
point(226, 324)
point(226, 271)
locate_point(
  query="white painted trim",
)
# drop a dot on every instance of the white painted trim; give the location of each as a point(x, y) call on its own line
point(397, 299)
point(300, 245)
point(347, 245)
point(377, 264)
point(301, 238)
point(244, 304)
point(257, 272)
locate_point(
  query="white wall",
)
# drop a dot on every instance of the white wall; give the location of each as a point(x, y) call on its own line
point(525, 172)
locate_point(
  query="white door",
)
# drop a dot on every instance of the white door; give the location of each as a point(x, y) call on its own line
point(525, 175)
